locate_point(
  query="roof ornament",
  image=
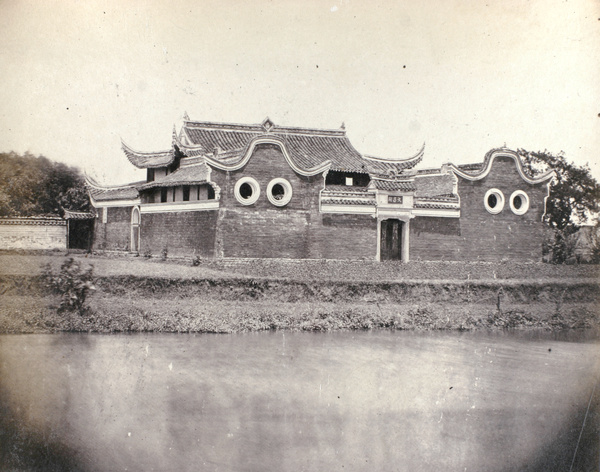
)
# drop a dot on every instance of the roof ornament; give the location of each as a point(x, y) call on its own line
point(186, 117)
point(267, 124)
point(343, 125)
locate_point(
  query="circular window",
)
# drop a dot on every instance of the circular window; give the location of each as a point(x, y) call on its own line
point(519, 202)
point(494, 201)
point(247, 191)
point(279, 192)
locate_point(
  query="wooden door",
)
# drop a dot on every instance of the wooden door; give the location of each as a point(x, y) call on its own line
point(391, 240)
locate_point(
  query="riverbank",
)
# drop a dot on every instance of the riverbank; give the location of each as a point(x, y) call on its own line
point(149, 295)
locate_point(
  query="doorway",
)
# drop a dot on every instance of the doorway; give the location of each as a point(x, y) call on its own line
point(135, 230)
point(391, 240)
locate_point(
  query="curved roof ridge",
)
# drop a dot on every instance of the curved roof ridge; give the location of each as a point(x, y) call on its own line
point(93, 183)
point(391, 160)
point(488, 160)
point(259, 127)
point(144, 160)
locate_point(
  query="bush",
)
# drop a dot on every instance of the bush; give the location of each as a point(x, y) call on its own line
point(72, 283)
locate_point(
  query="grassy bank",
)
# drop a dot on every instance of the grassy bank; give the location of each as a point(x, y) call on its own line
point(135, 295)
point(120, 314)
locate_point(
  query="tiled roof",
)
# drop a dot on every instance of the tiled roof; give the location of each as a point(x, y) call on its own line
point(78, 215)
point(186, 175)
point(346, 195)
point(433, 185)
point(392, 167)
point(437, 202)
point(347, 201)
point(308, 147)
point(394, 185)
point(346, 189)
point(470, 167)
point(32, 220)
point(428, 171)
point(441, 198)
point(434, 205)
point(148, 160)
point(102, 194)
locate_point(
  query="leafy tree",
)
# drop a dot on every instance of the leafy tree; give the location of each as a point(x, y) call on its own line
point(574, 195)
point(34, 186)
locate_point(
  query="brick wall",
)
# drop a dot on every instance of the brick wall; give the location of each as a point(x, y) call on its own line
point(32, 233)
point(296, 230)
point(115, 234)
point(343, 237)
point(482, 235)
point(181, 233)
point(263, 229)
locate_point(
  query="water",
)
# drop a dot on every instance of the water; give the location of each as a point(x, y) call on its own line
point(282, 401)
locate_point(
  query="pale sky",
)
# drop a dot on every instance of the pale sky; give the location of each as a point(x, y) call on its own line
point(461, 76)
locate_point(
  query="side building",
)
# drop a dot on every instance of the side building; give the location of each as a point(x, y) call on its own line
point(269, 191)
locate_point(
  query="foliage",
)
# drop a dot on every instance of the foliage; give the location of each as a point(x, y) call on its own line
point(72, 283)
point(595, 246)
point(34, 186)
point(574, 194)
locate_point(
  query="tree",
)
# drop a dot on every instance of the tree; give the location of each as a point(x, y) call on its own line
point(35, 186)
point(574, 195)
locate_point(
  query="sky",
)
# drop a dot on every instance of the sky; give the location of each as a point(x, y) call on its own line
point(463, 77)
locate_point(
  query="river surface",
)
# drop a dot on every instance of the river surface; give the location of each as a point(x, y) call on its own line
point(284, 401)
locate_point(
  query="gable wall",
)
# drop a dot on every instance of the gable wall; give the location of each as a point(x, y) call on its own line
point(480, 234)
point(296, 230)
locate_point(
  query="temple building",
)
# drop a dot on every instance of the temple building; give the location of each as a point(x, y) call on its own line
point(269, 191)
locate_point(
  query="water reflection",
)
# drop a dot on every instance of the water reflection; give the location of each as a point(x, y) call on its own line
point(302, 401)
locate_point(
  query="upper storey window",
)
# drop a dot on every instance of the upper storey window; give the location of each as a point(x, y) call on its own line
point(279, 192)
point(150, 175)
point(519, 202)
point(247, 191)
point(353, 179)
point(494, 201)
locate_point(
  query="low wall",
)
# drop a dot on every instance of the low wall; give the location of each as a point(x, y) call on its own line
point(33, 233)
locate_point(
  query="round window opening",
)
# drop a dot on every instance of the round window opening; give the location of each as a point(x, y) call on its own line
point(279, 192)
point(247, 191)
point(519, 202)
point(494, 201)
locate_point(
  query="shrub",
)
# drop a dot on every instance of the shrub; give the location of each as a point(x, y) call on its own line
point(72, 283)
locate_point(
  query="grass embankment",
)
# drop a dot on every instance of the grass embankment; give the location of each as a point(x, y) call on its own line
point(136, 294)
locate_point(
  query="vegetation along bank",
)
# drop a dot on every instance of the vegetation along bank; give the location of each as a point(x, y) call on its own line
point(54, 293)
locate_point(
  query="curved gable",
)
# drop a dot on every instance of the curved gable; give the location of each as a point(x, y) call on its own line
point(471, 172)
point(246, 154)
